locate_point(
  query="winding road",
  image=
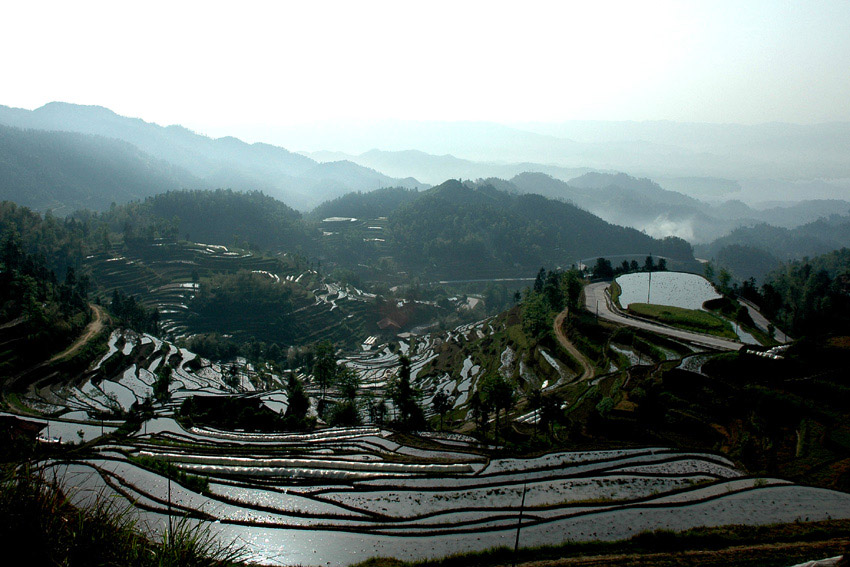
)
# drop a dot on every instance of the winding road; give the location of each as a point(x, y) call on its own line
point(596, 300)
point(99, 318)
point(762, 322)
point(92, 329)
point(588, 371)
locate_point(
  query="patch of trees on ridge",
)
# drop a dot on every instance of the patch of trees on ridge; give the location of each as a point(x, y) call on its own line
point(42, 313)
point(604, 269)
point(251, 219)
point(809, 297)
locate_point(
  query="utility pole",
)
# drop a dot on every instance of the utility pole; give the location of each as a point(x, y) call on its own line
point(649, 287)
point(170, 528)
point(519, 521)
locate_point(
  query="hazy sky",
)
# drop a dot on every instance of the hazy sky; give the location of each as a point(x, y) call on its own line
point(216, 66)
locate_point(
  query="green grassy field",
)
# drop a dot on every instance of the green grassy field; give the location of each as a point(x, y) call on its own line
point(690, 319)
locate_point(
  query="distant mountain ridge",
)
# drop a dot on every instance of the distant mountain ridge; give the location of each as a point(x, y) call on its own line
point(66, 171)
point(753, 251)
point(617, 197)
point(224, 162)
point(644, 205)
point(119, 159)
point(437, 168)
point(656, 149)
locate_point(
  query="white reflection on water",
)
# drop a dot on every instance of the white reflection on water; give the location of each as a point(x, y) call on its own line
point(678, 289)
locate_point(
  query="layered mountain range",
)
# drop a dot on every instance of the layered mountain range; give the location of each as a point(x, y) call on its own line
point(190, 160)
point(63, 157)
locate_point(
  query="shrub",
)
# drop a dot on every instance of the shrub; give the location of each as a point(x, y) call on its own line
point(40, 526)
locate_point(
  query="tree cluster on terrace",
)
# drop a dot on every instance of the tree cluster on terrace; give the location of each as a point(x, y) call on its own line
point(326, 373)
point(552, 292)
point(345, 408)
point(605, 269)
point(809, 297)
point(404, 396)
point(131, 313)
point(495, 394)
point(59, 243)
point(27, 277)
point(48, 313)
point(806, 297)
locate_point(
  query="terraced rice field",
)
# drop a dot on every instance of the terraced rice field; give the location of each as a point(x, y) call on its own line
point(125, 375)
point(340, 495)
point(160, 274)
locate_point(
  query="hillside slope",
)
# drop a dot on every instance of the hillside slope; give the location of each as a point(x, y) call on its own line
point(224, 162)
point(65, 171)
point(482, 232)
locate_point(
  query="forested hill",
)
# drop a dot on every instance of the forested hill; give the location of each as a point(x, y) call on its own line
point(818, 237)
point(752, 251)
point(65, 171)
point(223, 216)
point(454, 225)
point(371, 205)
point(453, 231)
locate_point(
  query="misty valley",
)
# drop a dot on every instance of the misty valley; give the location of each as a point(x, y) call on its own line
point(237, 354)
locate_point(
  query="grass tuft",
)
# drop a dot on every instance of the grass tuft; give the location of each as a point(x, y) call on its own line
point(40, 526)
point(690, 319)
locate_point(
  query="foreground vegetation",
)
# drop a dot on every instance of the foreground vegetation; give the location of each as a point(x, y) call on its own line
point(40, 526)
point(783, 418)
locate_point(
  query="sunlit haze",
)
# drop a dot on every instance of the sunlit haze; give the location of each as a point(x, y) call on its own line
point(221, 68)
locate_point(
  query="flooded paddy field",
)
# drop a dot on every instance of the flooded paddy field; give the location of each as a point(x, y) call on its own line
point(339, 495)
point(677, 289)
point(345, 503)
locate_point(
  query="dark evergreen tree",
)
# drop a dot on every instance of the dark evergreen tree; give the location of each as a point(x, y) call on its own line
point(499, 394)
point(298, 404)
point(603, 269)
point(441, 403)
point(324, 365)
point(540, 280)
point(404, 396)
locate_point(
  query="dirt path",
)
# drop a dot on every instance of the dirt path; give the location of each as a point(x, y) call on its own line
point(92, 329)
point(589, 372)
point(12, 323)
